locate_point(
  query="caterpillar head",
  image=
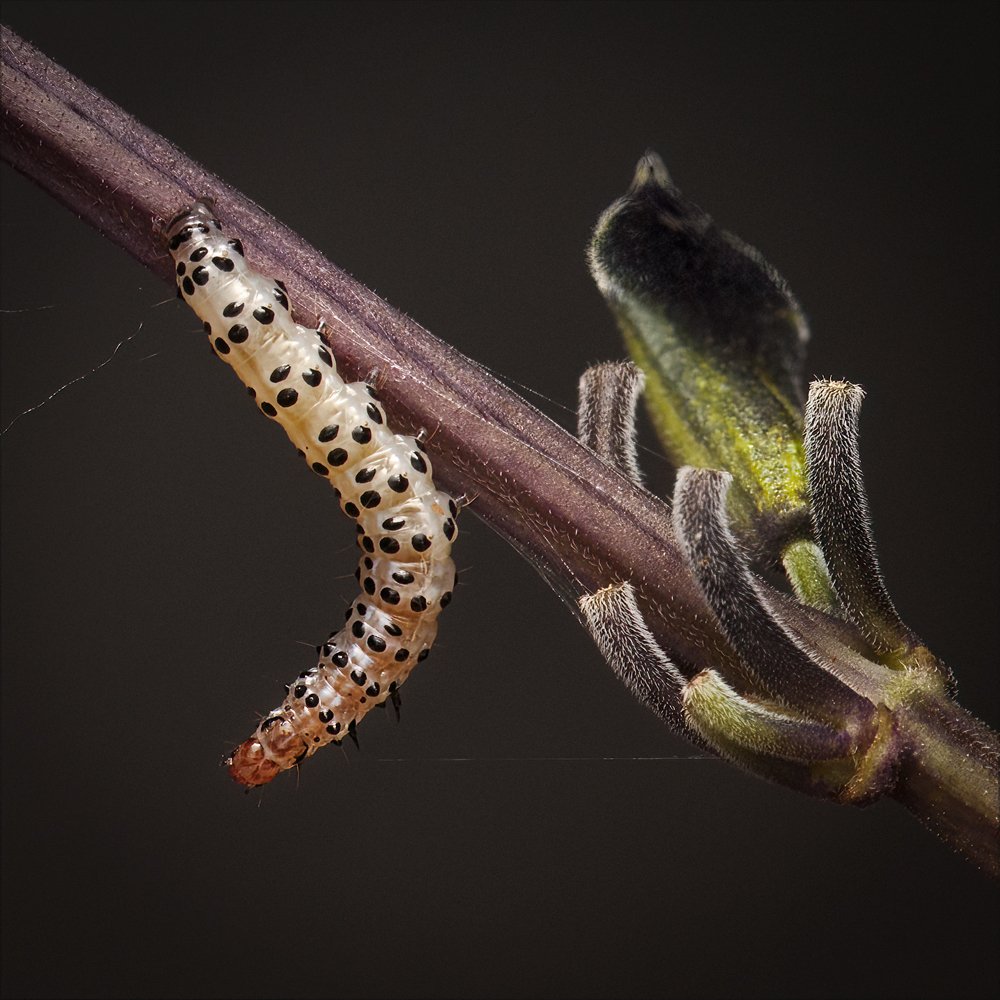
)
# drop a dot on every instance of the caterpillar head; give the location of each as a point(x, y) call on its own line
point(253, 764)
point(250, 766)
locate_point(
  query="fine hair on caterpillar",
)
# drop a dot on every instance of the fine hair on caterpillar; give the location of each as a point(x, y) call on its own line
point(383, 480)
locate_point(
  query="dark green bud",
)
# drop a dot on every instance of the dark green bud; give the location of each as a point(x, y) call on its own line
point(721, 340)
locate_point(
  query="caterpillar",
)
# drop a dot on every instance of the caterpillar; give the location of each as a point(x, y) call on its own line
point(405, 525)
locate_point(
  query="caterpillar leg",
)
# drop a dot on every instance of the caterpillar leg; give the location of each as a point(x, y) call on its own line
point(464, 500)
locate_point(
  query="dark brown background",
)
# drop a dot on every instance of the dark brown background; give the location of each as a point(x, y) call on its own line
point(454, 158)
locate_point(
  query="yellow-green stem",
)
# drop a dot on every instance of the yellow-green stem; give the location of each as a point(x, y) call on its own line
point(806, 570)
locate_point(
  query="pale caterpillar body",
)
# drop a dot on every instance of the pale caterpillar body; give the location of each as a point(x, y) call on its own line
point(383, 481)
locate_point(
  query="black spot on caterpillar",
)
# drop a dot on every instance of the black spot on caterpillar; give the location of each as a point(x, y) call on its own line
point(383, 480)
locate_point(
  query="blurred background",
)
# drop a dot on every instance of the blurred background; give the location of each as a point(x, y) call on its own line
point(527, 830)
